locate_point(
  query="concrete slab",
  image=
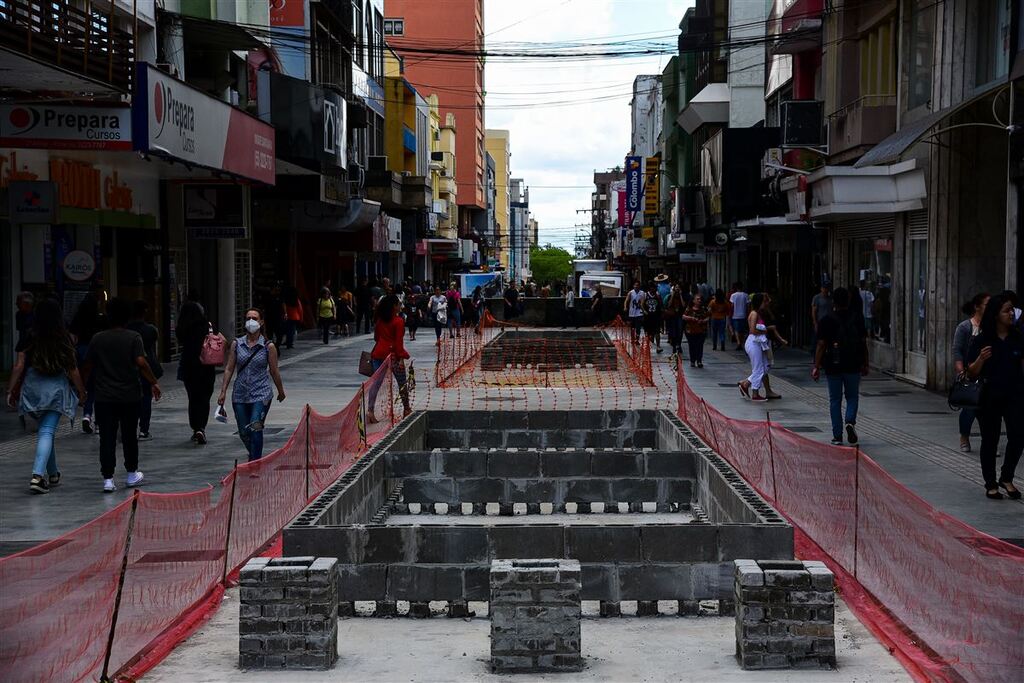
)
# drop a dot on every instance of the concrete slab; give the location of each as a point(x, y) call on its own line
point(665, 648)
point(590, 518)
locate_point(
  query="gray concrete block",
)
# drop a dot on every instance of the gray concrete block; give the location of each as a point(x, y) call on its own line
point(654, 581)
point(600, 582)
point(565, 463)
point(627, 490)
point(588, 543)
point(424, 582)
point(451, 544)
point(616, 464)
point(479, 490)
point(526, 541)
point(458, 464)
point(668, 464)
point(407, 464)
point(675, 490)
point(524, 439)
point(737, 541)
point(439, 490)
point(447, 438)
point(535, 491)
point(679, 543)
point(362, 582)
point(588, 490)
point(383, 544)
point(520, 464)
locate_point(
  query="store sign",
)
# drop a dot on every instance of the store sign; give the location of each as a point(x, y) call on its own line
point(394, 234)
point(59, 127)
point(634, 182)
point(32, 201)
point(172, 118)
point(215, 211)
point(287, 13)
point(652, 186)
point(647, 233)
point(79, 265)
point(309, 121)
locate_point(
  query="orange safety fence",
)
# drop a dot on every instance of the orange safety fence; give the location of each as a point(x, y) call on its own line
point(114, 596)
point(945, 597)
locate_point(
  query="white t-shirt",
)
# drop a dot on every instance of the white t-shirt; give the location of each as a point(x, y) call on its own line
point(636, 303)
point(867, 298)
point(739, 305)
point(438, 302)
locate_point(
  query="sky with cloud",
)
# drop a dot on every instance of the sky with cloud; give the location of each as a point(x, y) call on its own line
point(559, 134)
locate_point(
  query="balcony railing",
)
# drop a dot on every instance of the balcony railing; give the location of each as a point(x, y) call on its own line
point(62, 35)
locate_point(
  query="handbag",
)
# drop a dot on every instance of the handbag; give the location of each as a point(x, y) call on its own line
point(966, 392)
point(213, 349)
point(366, 364)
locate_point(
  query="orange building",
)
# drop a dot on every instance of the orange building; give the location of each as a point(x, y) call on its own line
point(413, 26)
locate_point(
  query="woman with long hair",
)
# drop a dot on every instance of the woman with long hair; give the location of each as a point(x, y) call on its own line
point(40, 386)
point(326, 313)
point(696, 318)
point(190, 331)
point(757, 347)
point(997, 355)
point(388, 332)
point(674, 307)
point(965, 332)
point(767, 314)
point(254, 360)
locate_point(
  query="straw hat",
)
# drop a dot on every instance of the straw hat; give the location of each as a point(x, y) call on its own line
point(661, 278)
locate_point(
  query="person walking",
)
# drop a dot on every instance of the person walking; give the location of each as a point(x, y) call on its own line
point(696, 318)
point(511, 301)
point(252, 360)
point(674, 308)
point(758, 346)
point(821, 307)
point(198, 378)
point(346, 312)
point(292, 315)
point(842, 350)
point(996, 355)
point(596, 305)
point(454, 310)
point(653, 315)
point(962, 336)
point(439, 312)
point(767, 315)
point(326, 313)
point(150, 337)
point(23, 316)
point(364, 308)
point(479, 302)
point(739, 305)
point(116, 359)
point(633, 307)
point(84, 326)
point(867, 299)
point(718, 310)
point(570, 309)
point(388, 332)
point(41, 384)
point(412, 312)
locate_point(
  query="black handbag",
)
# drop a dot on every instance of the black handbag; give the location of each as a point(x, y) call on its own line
point(966, 392)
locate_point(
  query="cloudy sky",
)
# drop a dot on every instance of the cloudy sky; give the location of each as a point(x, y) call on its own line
point(563, 144)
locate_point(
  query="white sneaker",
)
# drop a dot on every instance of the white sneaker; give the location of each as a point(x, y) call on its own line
point(133, 479)
point(108, 486)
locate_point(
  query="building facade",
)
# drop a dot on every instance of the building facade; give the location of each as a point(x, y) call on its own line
point(498, 146)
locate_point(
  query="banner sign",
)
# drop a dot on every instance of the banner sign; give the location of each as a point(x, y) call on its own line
point(215, 211)
point(32, 201)
point(634, 182)
point(288, 13)
point(172, 118)
point(652, 198)
point(59, 127)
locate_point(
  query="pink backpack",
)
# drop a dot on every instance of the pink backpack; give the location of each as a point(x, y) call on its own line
point(213, 349)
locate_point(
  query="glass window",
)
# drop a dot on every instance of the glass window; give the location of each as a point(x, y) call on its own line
point(920, 46)
point(388, 27)
point(873, 262)
point(399, 27)
point(992, 47)
point(919, 275)
point(877, 62)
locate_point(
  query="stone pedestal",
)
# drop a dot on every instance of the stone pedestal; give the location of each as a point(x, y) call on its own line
point(535, 616)
point(288, 613)
point(785, 615)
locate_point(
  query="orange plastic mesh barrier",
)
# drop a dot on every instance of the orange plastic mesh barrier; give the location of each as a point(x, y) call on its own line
point(159, 561)
point(945, 598)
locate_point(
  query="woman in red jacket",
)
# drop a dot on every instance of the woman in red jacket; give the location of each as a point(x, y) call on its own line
point(388, 333)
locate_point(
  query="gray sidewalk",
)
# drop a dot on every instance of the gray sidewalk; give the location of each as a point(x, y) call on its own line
point(909, 431)
point(325, 377)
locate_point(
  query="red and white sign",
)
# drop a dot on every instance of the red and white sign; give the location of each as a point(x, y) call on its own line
point(288, 13)
point(56, 127)
point(172, 118)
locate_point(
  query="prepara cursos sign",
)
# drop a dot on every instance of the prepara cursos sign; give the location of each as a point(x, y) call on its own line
point(172, 118)
point(634, 182)
point(58, 127)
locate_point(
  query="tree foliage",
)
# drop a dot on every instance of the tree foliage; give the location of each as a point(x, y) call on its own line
point(550, 264)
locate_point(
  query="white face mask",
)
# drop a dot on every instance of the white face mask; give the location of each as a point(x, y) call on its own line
point(252, 326)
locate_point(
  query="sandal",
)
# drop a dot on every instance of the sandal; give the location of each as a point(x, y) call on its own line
point(994, 494)
point(745, 390)
point(1013, 494)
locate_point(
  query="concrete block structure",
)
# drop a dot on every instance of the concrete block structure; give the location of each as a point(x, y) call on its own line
point(287, 614)
point(535, 616)
point(785, 615)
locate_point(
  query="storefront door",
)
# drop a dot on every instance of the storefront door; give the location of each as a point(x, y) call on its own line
point(916, 339)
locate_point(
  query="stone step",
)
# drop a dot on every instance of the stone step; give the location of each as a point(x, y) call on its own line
point(531, 463)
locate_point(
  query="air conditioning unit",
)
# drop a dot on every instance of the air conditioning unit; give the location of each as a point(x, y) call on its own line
point(169, 69)
point(377, 164)
point(802, 123)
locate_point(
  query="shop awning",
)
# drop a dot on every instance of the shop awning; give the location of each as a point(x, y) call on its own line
point(840, 193)
point(770, 222)
point(710, 105)
point(890, 149)
point(315, 216)
point(220, 34)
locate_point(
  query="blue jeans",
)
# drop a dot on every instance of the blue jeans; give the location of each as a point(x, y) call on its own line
point(454, 319)
point(718, 333)
point(145, 406)
point(967, 416)
point(90, 384)
point(849, 384)
point(250, 418)
point(46, 456)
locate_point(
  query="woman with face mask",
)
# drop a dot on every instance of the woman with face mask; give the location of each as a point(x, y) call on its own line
point(254, 360)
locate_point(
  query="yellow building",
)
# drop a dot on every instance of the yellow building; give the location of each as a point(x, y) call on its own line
point(497, 144)
point(442, 171)
point(399, 117)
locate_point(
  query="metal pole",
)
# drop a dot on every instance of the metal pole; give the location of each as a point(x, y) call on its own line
point(856, 505)
point(771, 455)
point(231, 519)
point(104, 678)
point(307, 450)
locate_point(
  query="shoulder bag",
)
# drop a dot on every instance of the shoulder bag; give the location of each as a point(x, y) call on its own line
point(966, 392)
point(366, 364)
point(213, 349)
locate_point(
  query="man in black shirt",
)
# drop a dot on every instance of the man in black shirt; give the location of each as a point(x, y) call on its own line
point(115, 360)
point(364, 306)
point(842, 349)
